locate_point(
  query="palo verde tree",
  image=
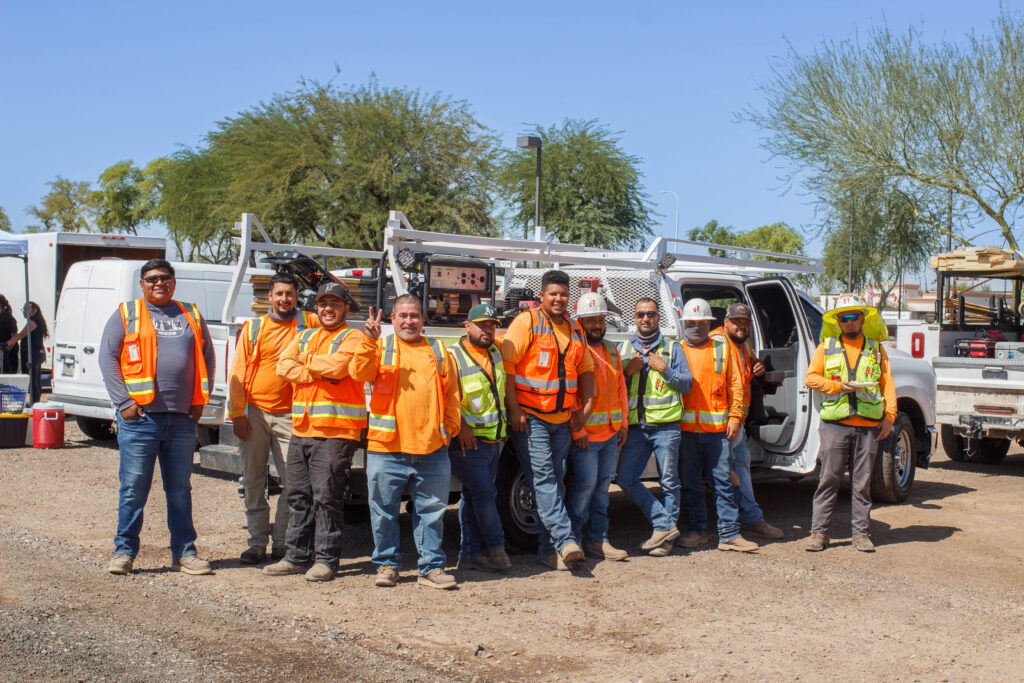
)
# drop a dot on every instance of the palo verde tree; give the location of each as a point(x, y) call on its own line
point(775, 237)
point(66, 207)
point(590, 188)
point(121, 202)
point(933, 118)
point(5, 221)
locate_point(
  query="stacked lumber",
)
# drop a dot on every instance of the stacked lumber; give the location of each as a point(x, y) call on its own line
point(260, 294)
point(974, 314)
point(978, 260)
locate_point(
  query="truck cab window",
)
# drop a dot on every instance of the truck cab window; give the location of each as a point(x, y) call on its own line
point(813, 314)
point(774, 313)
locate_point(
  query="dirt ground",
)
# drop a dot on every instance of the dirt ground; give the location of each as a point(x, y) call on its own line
point(942, 599)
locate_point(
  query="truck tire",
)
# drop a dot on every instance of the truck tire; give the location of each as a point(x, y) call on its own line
point(516, 507)
point(895, 463)
point(952, 443)
point(986, 451)
point(96, 428)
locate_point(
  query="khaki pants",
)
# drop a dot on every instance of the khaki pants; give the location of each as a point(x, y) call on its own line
point(271, 433)
point(842, 446)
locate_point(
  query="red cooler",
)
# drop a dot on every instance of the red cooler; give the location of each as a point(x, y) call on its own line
point(48, 425)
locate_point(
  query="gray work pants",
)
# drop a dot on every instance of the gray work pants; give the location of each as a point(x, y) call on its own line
point(270, 433)
point(842, 445)
point(317, 475)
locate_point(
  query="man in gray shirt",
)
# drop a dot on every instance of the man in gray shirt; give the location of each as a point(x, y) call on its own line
point(157, 359)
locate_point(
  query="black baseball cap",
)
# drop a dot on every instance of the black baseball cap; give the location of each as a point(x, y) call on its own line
point(332, 288)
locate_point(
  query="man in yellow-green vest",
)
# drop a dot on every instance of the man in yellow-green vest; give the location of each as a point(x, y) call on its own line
point(474, 453)
point(858, 407)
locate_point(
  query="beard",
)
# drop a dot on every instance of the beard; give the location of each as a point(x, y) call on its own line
point(594, 336)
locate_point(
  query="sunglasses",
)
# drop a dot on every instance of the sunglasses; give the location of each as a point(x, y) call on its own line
point(646, 314)
point(153, 279)
point(849, 317)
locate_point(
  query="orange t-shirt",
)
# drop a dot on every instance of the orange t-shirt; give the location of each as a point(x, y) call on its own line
point(268, 392)
point(517, 342)
point(815, 379)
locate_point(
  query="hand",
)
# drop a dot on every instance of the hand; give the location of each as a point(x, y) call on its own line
point(621, 436)
point(467, 439)
point(372, 326)
point(517, 420)
point(132, 412)
point(884, 429)
point(732, 430)
point(577, 421)
point(656, 362)
point(195, 412)
point(241, 427)
point(847, 388)
point(758, 369)
point(635, 365)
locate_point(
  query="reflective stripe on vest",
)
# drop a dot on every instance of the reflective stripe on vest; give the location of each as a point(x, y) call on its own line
point(607, 411)
point(661, 402)
point(481, 411)
point(139, 351)
point(382, 423)
point(545, 377)
point(338, 404)
point(867, 403)
point(706, 407)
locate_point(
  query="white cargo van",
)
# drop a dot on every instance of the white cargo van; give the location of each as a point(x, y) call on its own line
point(91, 292)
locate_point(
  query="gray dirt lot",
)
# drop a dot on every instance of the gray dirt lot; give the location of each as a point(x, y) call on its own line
point(940, 600)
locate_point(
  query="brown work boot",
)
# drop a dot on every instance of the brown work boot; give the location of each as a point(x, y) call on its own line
point(763, 529)
point(437, 579)
point(191, 564)
point(554, 560)
point(571, 553)
point(604, 550)
point(500, 560)
point(863, 543)
point(662, 550)
point(253, 555)
point(659, 537)
point(692, 539)
point(386, 577)
point(816, 543)
point(120, 564)
point(284, 568)
point(739, 543)
point(320, 572)
point(479, 563)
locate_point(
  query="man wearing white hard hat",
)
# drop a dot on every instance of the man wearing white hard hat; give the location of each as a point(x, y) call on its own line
point(595, 446)
point(858, 406)
point(712, 417)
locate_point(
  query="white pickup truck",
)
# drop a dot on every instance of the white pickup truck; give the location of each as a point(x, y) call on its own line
point(450, 273)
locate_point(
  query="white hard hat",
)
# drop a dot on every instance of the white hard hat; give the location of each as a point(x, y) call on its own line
point(697, 309)
point(590, 305)
point(847, 303)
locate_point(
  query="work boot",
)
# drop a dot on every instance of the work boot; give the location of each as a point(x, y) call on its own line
point(120, 564)
point(320, 572)
point(692, 539)
point(604, 550)
point(386, 577)
point(571, 553)
point(662, 550)
point(739, 543)
point(253, 555)
point(478, 562)
point(437, 579)
point(659, 537)
point(284, 568)
point(863, 543)
point(191, 564)
point(763, 529)
point(554, 560)
point(816, 543)
point(500, 560)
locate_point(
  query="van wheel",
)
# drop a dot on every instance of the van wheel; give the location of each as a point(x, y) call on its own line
point(986, 450)
point(96, 428)
point(516, 507)
point(895, 463)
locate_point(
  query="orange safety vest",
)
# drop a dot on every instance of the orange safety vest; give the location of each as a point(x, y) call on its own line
point(744, 355)
point(383, 424)
point(252, 335)
point(607, 409)
point(138, 353)
point(706, 407)
point(546, 376)
point(331, 403)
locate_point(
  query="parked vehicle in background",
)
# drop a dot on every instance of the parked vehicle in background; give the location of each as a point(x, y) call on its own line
point(92, 291)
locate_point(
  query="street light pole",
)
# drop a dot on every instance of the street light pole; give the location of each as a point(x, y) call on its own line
point(677, 208)
point(949, 222)
point(534, 142)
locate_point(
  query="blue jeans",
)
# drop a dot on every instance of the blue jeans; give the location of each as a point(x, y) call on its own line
point(708, 455)
point(542, 454)
point(169, 438)
point(429, 480)
point(478, 511)
point(586, 495)
point(663, 441)
point(750, 511)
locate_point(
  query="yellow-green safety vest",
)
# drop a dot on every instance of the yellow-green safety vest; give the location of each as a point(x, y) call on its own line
point(483, 400)
point(867, 403)
point(661, 402)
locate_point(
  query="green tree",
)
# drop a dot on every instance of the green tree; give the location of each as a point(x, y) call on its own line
point(5, 221)
point(120, 203)
point(590, 188)
point(932, 117)
point(775, 237)
point(66, 207)
point(325, 164)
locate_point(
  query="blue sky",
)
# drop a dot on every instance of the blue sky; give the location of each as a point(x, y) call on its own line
point(85, 85)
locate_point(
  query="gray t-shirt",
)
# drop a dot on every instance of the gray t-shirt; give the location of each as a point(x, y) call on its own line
point(175, 359)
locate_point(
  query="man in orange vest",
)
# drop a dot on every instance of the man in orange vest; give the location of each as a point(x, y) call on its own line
point(156, 357)
point(735, 331)
point(593, 454)
point(414, 413)
point(328, 414)
point(547, 363)
point(712, 417)
point(260, 406)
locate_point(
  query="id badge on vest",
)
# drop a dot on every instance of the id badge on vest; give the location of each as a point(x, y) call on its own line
point(544, 359)
point(133, 352)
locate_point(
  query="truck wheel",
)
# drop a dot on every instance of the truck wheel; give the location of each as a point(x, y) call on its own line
point(895, 463)
point(95, 428)
point(952, 443)
point(987, 450)
point(516, 507)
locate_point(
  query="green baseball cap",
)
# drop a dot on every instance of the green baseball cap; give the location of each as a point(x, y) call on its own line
point(481, 313)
